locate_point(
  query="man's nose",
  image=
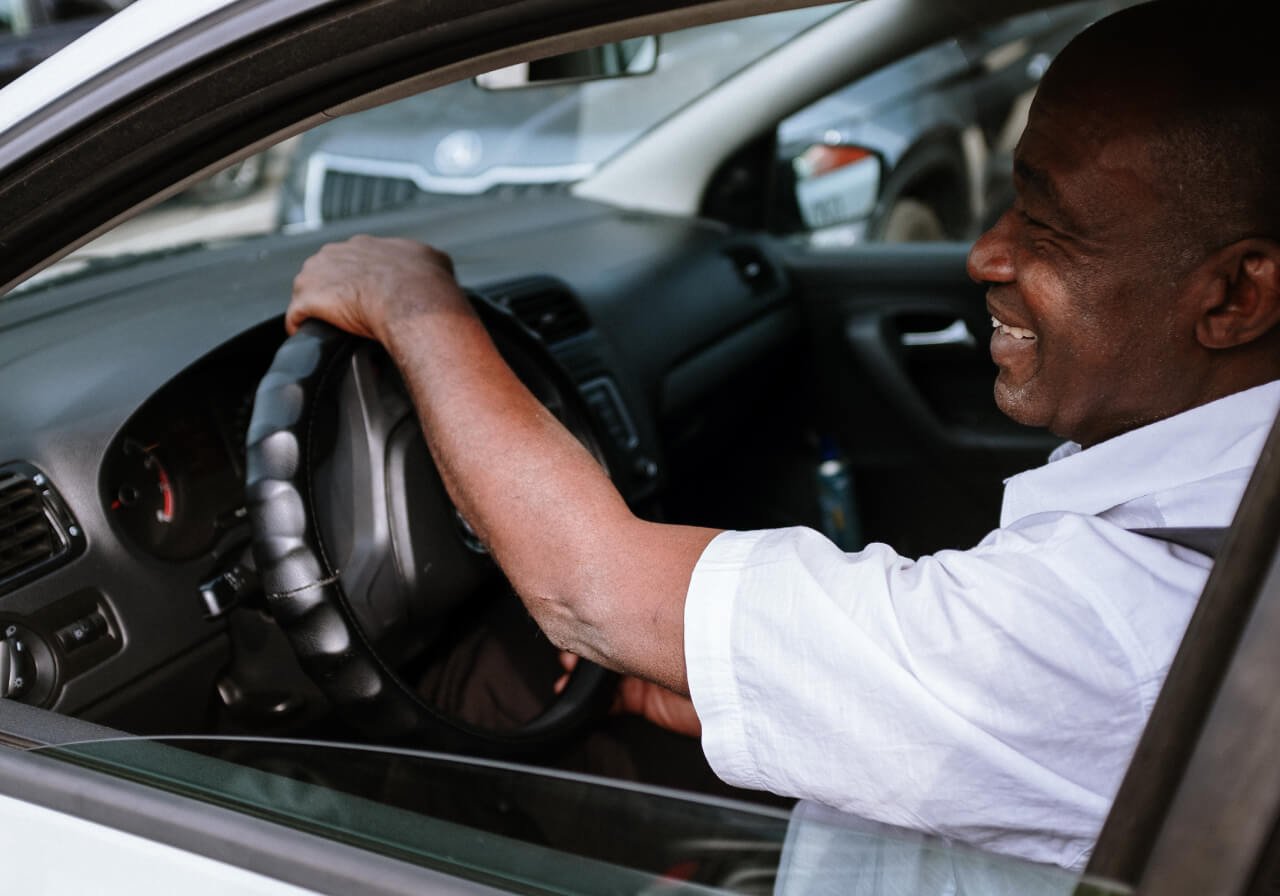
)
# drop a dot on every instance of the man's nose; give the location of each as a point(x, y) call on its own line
point(991, 258)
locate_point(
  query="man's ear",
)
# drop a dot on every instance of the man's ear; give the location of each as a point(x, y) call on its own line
point(1243, 302)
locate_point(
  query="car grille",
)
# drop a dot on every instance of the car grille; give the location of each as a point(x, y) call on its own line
point(346, 195)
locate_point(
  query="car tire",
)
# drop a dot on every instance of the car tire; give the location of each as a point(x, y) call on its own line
point(911, 221)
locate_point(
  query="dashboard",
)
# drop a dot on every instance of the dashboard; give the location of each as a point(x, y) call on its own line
point(128, 393)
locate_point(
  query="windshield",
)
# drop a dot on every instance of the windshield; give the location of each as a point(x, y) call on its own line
point(535, 830)
point(460, 141)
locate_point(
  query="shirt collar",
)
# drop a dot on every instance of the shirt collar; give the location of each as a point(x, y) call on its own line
point(1214, 438)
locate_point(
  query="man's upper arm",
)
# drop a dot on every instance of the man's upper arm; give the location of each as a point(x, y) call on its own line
point(980, 694)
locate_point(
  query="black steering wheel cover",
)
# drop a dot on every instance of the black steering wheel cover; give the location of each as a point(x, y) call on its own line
point(305, 593)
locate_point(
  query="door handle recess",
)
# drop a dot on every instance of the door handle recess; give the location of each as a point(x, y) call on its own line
point(955, 333)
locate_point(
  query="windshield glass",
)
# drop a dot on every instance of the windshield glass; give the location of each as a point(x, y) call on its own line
point(547, 831)
point(457, 141)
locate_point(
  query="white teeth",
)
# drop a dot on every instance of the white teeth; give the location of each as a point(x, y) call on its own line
point(1016, 332)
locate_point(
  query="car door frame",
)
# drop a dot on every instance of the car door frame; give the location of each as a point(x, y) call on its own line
point(173, 128)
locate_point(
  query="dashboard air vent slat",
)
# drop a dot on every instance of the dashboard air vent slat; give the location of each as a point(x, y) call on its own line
point(26, 536)
point(14, 490)
point(36, 531)
point(553, 313)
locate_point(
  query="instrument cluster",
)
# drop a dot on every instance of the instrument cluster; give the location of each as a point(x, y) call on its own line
point(173, 479)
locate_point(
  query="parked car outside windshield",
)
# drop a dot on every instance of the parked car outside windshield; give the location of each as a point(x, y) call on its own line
point(466, 140)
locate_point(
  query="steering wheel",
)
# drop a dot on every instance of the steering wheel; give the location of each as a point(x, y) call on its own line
point(362, 556)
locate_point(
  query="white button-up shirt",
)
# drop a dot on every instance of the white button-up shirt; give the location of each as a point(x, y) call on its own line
point(993, 695)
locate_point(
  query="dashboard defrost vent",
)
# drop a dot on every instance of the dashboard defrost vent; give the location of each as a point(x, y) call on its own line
point(544, 306)
point(36, 533)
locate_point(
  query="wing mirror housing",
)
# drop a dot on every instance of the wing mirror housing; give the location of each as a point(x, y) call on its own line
point(624, 59)
point(836, 184)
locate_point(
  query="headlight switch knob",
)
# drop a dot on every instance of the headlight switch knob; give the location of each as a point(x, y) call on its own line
point(16, 667)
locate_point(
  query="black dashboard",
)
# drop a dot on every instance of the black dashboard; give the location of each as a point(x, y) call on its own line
point(128, 392)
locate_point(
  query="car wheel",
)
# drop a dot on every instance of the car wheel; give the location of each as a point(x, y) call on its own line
point(911, 221)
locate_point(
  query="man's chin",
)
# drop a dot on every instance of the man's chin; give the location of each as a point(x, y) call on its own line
point(1020, 405)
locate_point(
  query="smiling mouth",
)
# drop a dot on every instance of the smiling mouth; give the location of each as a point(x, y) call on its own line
point(1015, 332)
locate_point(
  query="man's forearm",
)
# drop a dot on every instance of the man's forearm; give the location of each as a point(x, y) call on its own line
point(599, 581)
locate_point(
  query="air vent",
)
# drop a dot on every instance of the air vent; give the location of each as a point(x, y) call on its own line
point(546, 307)
point(36, 532)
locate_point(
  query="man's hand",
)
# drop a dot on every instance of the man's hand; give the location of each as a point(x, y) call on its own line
point(368, 285)
point(662, 707)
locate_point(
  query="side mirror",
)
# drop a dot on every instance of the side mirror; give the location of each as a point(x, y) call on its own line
point(637, 56)
point(836, 184)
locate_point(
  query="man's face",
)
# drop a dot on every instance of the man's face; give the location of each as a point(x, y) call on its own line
point(1091, 340)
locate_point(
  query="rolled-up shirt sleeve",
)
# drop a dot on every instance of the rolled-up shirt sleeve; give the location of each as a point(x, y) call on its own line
point(973, 694)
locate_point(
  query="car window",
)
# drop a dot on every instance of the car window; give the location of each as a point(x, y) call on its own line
point(920, 151)
point(533, 830)
point(454, 143)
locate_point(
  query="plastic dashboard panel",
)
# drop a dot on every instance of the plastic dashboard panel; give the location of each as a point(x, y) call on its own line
point(95, 361)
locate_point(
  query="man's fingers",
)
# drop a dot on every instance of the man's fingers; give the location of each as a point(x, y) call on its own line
point(638, 697)
point(568, 662)
point(664, 708)
point(367, 283)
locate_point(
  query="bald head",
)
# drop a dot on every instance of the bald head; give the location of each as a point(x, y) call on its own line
point(1199, 88)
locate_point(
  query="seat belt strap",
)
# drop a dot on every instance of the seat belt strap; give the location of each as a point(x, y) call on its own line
point(1206, 540)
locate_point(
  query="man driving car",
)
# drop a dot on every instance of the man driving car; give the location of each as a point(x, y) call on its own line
point(993, 695)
